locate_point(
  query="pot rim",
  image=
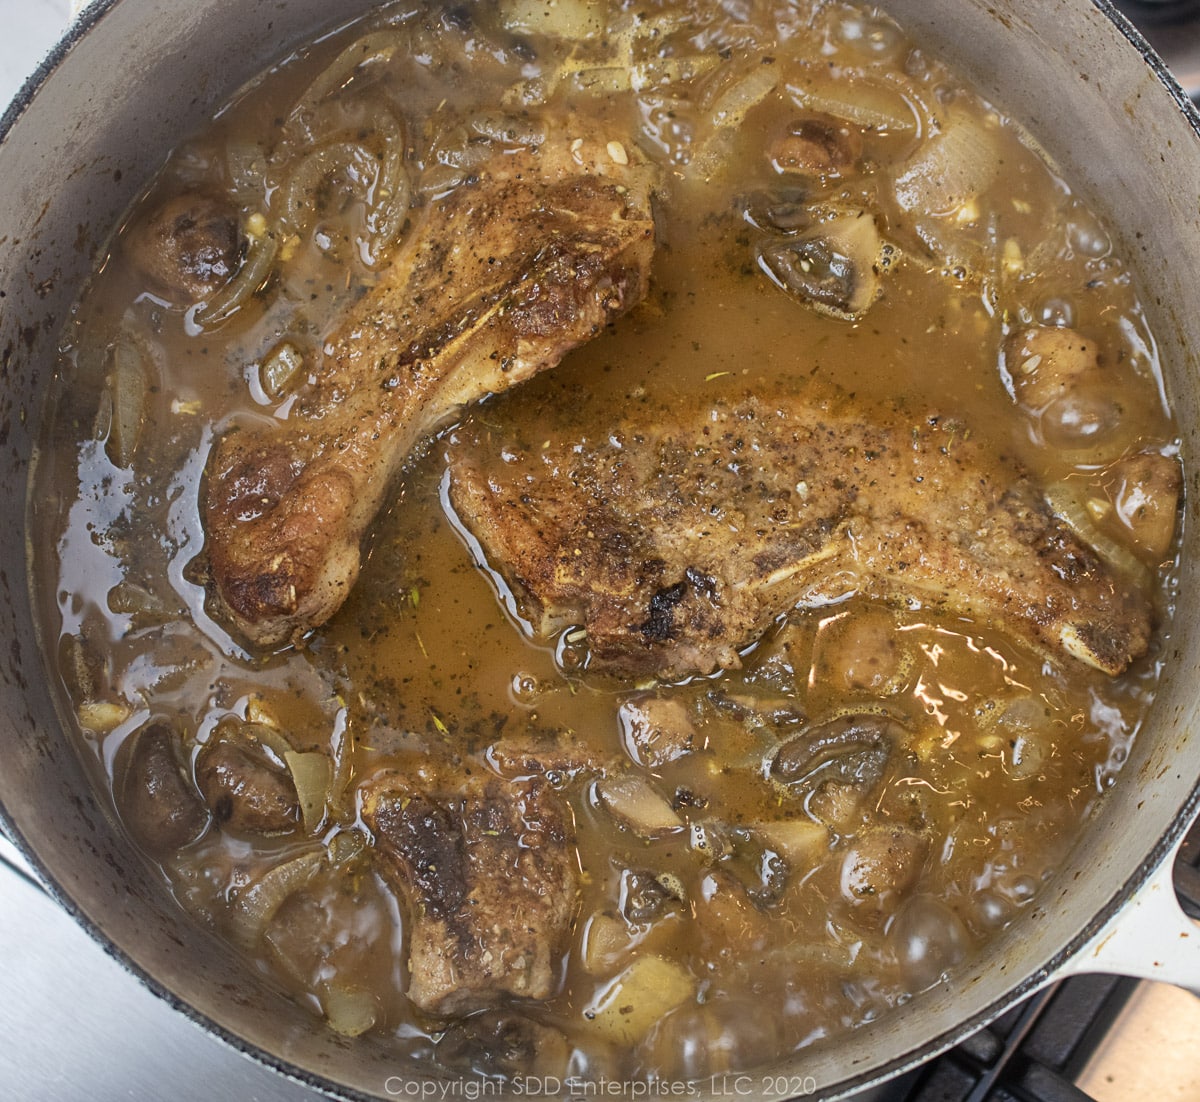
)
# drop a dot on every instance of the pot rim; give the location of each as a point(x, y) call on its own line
point(1164, 846)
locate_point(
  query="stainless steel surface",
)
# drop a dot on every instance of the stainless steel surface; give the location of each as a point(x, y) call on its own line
point(1060, 40)
point(31, 27)
point(77, 1026)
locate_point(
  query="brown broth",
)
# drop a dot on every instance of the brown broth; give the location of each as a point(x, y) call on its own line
point(1007, 750)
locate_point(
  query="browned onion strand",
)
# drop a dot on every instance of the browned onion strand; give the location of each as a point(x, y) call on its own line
point(372, 48)
point(300, 195)
point(391, 194)
point(251, 276)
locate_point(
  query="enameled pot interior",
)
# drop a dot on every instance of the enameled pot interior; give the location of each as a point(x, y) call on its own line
point(81, 150)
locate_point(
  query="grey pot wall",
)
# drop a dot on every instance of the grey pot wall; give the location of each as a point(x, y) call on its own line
point(80, 150)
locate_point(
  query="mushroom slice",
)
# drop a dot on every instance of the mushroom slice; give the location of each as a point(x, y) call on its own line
point(837, 267)
point(817, 146)
point(1146, 491)
point(154, 791)
point(246, 790)
point(852, 749)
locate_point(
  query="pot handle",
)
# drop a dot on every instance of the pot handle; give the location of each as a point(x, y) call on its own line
point(1150, 937)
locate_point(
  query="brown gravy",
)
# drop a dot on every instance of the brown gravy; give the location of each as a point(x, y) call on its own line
point(833, 901)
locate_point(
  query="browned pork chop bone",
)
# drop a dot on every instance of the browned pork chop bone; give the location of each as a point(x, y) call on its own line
point(498, 280)
point(678, 536)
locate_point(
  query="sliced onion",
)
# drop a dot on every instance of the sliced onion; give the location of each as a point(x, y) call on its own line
point(382, 180)
point(254, 272)
point(102, 716)
point(801, 842)
point(869, 103)
point(372, 48)
point(658, 71)
point(311, 775)
point(256, 905)
point(391, 194)
point(127, 389)
point(601, 80)
point(626, 1009)
point(346, 845)
point(637, 806)
point(954, 167)
point(342, 745)
point(298, 197)
point(247, 166)
point(605, 941)
point(507, 129)
point(350, 1011)
point(280, 370)
point(573, 20)
point(728, 104)
point(1067, 506)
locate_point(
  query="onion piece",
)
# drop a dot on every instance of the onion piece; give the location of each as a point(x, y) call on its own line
point(298, 197)
point(727, 101)
point(800, 842)
point(256, 905)
point(280, 369)
point(342, 748)
point(246, 164)
point(127, 391)
point(949, 171)
point(869, 103)
point(627, 1008)
point(605, 941)
point(507, 129)
point(573, 20)
point(254, 272)
point(346, 845)
point(601, 80)
point(655, 72)
point(349, 1011)
point(102, 716)
point(637, 806)
point(311, 774)
point(1074, 514)
point(382, 180)
point(378, 46)
point(390, 194)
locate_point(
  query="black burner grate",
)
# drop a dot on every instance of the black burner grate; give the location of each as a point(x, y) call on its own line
point(1160, 13)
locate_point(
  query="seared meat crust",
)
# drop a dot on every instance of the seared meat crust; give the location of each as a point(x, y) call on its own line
point(681, 535)
point(497, 281)
point(490, 876)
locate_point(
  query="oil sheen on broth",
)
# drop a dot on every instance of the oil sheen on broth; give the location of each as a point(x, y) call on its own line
point(829, 829)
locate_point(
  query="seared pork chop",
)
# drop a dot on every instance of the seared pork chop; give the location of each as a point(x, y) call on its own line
point(489, 874)
point(497, 281)
point(677, 538)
